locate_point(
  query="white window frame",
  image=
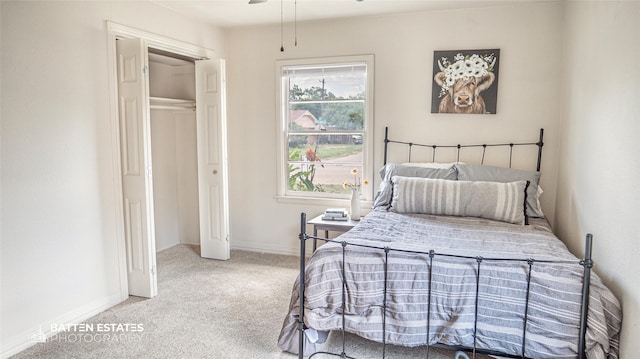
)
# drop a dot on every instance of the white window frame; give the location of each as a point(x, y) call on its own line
point(283, 192)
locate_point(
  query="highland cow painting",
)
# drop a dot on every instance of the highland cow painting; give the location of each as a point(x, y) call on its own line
point(465, 81)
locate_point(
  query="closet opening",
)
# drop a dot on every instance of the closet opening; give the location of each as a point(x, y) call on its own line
point(169, 138)
point(172, 100)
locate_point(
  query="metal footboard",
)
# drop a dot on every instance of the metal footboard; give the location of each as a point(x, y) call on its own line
point(587, 263)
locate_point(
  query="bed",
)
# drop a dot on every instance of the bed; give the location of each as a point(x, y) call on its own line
point(458, 256)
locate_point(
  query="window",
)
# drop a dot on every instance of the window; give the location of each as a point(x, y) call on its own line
point(325, 124)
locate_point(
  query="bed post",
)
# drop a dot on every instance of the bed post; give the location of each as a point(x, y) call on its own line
point(540, 144)
point(303, 251)
point(386, 141)
point(587, 263)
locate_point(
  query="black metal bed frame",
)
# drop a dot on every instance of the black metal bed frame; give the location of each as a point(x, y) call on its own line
point(459, 147)
point(586, 263)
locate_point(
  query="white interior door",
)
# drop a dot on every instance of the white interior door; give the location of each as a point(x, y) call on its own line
point(137, 184)
point(212, 159)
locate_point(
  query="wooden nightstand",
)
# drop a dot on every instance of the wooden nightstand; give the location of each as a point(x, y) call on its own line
point(326, 226)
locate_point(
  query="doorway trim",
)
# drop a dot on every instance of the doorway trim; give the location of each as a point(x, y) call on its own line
point(114, 32)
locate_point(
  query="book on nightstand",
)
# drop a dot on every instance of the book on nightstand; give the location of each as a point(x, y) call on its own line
point(335, 214)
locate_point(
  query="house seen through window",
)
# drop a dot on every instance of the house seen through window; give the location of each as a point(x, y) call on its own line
point(325, 120)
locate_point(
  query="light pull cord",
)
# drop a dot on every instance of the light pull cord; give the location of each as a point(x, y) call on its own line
point(295, 24)
point(281, 27)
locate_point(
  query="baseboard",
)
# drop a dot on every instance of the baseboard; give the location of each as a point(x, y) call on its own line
point(28, 338)
point(259, 247)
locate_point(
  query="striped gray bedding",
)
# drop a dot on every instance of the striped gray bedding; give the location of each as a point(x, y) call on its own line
point(554, 299)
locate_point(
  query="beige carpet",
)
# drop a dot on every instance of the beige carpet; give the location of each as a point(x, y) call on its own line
point(204, 309)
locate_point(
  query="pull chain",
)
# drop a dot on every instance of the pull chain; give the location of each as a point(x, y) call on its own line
point(281, 26)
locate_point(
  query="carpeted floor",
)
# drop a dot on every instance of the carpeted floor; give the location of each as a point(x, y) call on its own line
point(204, 309)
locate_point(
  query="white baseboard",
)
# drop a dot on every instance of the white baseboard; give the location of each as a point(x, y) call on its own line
point(26, 339)
point(269, 248)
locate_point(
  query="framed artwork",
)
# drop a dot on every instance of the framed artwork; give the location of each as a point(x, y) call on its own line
point(465, 81)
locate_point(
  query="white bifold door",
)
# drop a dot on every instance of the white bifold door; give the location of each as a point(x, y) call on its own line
point(137, 172)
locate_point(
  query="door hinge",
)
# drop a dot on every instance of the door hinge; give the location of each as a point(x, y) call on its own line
point(153, 270)
point(145, 70)
point(227, 238)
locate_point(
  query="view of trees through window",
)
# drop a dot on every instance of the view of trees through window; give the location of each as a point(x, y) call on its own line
point(326, 122)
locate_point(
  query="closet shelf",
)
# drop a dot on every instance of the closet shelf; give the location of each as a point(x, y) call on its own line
point(162, 103)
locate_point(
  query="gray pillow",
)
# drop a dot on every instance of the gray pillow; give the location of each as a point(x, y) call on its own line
point(385, 190)
point(500, 174)
point(491, 200)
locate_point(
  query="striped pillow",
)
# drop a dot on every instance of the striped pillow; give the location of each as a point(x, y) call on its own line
point(491, 200)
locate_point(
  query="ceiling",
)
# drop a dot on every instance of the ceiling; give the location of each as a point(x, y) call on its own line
point(235, 13)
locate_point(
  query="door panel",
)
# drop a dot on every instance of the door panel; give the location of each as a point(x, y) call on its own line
point(213, 134)
point(212, 159)
point(133, 228)
point(130, 136)
point(137, 182)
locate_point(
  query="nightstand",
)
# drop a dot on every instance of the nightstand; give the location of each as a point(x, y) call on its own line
point(326, 226)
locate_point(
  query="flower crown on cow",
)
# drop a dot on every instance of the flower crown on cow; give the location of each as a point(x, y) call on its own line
point(464, 67)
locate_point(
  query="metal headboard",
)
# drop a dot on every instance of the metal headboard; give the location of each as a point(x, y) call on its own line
point(460, 147)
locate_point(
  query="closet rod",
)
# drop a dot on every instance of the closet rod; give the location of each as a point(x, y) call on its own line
point(166, 107)
point(163, 103)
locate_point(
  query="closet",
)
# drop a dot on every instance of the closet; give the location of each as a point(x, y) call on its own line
point(173, 150)
point(173, 162)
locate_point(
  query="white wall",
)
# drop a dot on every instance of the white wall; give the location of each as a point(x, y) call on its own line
point(403, 45)
point(59, 252)
point(598, 188)
point(175, 177)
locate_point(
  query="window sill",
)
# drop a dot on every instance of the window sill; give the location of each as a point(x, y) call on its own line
point(322, 202)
